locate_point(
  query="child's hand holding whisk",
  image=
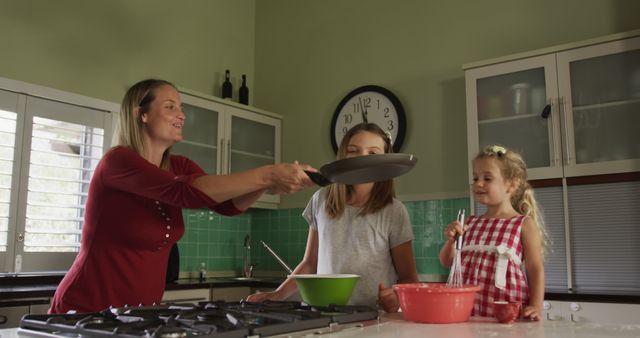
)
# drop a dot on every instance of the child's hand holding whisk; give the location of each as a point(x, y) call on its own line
point(453, 230)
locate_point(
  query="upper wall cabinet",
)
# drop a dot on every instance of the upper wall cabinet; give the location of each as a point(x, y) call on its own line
point(224, 137)
point(571, 110)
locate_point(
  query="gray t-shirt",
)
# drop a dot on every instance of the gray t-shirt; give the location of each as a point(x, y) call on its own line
point(359, 244)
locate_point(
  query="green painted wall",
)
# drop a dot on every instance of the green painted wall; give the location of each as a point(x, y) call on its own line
point(309, 54)
point(301, 58)
point(99, 48)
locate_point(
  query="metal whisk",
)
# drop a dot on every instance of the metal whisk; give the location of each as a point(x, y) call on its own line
point(455, 274)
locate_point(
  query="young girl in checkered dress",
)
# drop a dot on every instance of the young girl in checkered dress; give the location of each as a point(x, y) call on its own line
point(503, 248)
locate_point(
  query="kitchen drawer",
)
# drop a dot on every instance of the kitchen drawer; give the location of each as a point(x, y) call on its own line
point(10, 315)
point(255, 289)
point(232, 294)
point(191, 295)
point(39, 308)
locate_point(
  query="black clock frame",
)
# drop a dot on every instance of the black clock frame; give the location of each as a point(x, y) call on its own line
point(402, 118)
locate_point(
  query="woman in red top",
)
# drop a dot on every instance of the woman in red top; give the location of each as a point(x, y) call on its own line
point(133, 213)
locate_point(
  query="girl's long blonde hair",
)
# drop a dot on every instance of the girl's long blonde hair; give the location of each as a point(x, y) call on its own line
point(382, 193)
point(513, 167)
point(129, 131)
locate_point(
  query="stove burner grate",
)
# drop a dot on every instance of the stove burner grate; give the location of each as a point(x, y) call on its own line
point(205, 319)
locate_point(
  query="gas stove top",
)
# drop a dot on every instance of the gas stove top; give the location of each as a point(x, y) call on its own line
point(205, 319)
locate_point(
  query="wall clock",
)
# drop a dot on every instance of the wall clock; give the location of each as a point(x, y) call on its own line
point(372, 104)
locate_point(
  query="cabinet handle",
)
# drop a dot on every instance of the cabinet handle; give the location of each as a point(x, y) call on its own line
point(546, 112)
point(554, 150)
point(220, 165)
point(228, 156)
point(565, 127)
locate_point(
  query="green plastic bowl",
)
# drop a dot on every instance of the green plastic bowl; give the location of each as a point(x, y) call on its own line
point(322, 290)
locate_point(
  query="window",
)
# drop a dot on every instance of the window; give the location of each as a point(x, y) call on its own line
point(62, 158)
point(7, 144)
point(48, 152)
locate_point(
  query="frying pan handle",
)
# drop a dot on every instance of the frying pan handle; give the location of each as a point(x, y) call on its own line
point(318, 178)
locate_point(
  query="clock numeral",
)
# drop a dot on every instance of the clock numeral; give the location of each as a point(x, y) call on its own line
point(344, 130)
point(356, 107)
point(348, 118)
point(362, 105)
point(386, 112)
point(390, 126)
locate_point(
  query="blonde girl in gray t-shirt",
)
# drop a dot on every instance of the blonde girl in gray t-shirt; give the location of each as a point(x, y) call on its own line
point(357, 229)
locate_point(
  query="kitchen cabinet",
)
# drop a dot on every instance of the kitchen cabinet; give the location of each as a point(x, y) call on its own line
point(190, 295)
point(230, 294)
point(605, 313)
point(570, 110)
point(12, 311)
point(10, 315)
point(39, 308)
point(224, 137)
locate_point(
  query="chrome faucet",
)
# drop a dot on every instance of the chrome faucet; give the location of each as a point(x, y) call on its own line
point(247, 267)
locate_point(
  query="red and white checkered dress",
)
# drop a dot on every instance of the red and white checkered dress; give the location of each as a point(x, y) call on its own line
point(487, 242)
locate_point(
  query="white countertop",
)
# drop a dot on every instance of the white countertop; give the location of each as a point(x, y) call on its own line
point(393, 325)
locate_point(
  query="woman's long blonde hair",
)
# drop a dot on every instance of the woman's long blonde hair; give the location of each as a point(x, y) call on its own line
point(513, 167)
point(382, 192)
point(129, 131)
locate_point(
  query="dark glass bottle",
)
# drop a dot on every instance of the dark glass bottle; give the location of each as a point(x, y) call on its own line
point(243, 92)
point(227, 87)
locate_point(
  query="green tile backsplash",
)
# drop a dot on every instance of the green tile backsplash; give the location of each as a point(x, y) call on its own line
point(213, 239)
point(218, 241)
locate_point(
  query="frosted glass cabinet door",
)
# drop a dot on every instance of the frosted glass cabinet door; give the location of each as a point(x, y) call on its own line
point(513, 107)
point(509, 113)
point(602, 89)
point(200, 136)
point(253, 142)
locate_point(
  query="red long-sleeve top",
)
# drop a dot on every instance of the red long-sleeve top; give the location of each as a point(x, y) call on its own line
point(132, 218)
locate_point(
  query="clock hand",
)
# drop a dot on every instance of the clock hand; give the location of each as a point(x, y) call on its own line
point(363, 106)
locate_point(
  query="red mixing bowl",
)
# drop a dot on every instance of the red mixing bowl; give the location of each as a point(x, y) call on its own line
point(436, 303)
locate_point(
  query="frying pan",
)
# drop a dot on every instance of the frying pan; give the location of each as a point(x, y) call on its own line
point(363, 169)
